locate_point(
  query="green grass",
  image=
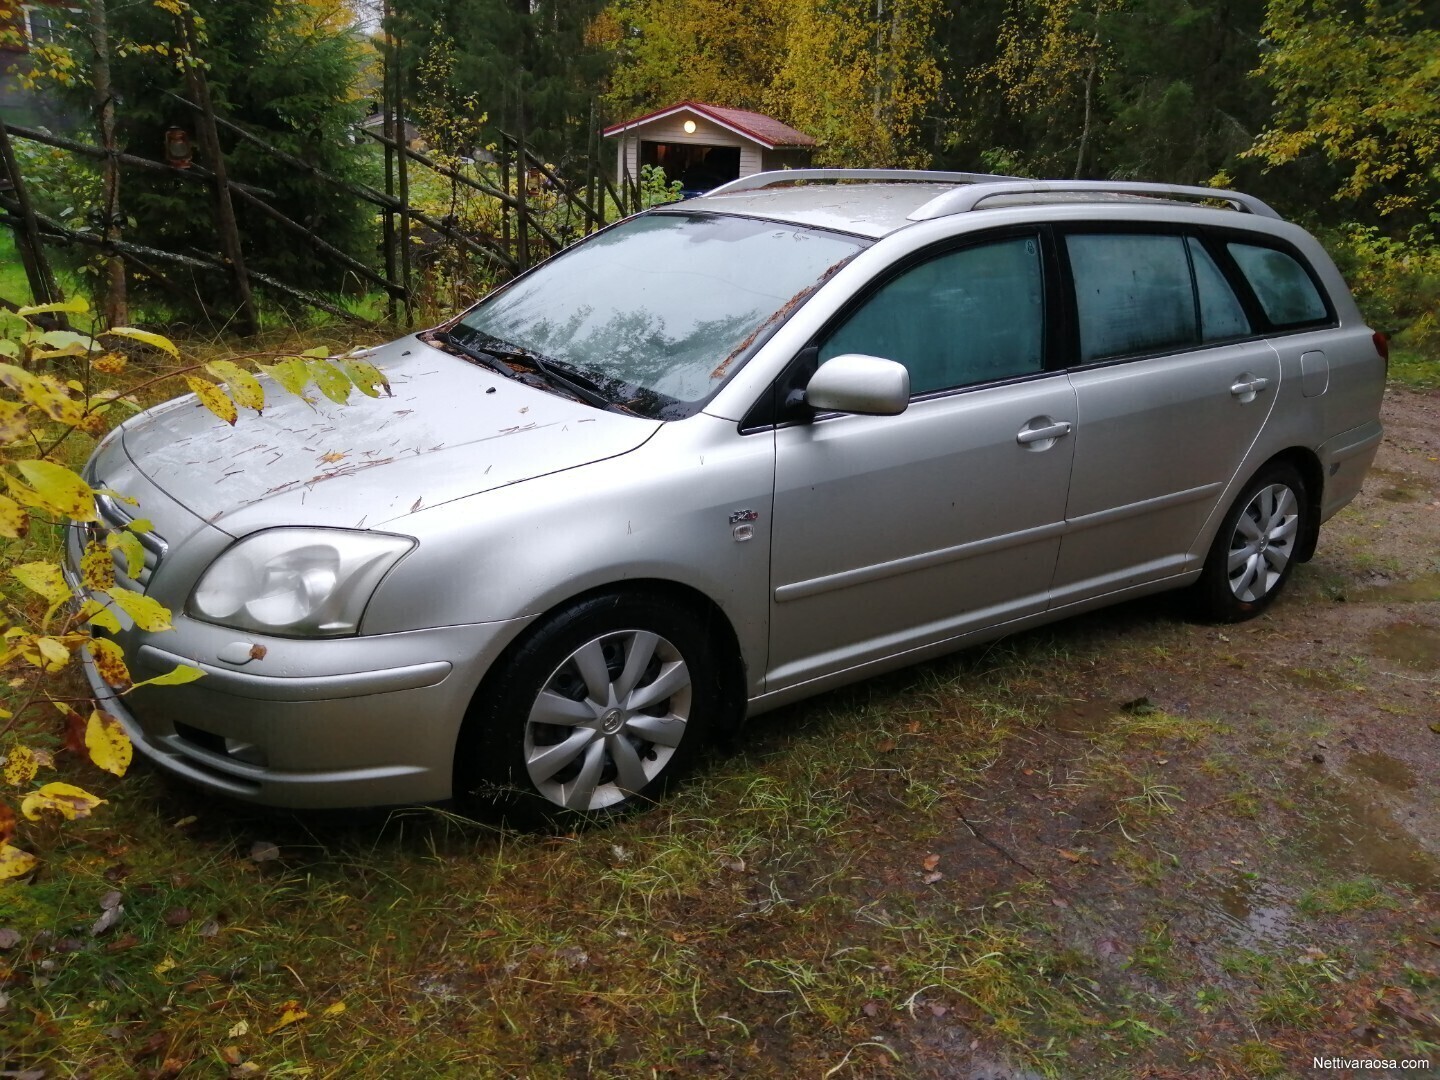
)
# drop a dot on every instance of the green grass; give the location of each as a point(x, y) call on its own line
point(778, 916)
point(1415, 369)
point(13, 286)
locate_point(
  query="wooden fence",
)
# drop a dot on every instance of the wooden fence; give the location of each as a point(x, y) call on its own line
point(526, 236)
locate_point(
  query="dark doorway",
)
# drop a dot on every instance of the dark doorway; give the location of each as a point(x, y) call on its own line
point(698, 168)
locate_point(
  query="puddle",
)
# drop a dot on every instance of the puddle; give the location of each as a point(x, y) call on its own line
point(1399, 494)
point(1414, 590)
point(1257, 912)
point(1408, 643)
point(1383, 769)
point(1316, 679)
point(1083, 718)
point(1351, 833)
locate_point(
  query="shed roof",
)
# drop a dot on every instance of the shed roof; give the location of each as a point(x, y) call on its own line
point(757, 127)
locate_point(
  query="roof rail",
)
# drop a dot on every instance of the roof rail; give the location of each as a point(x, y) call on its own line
point(969, 198)
point(776, 177)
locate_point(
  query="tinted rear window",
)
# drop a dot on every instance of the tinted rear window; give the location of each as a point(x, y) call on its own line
point(1284, 288)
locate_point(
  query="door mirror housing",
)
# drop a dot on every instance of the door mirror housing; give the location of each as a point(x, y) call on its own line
point(854, 383)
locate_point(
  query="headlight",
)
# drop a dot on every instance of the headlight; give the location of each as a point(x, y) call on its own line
point(297, 582)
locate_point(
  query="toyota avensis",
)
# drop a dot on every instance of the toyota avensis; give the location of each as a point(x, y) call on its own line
point(726, 454)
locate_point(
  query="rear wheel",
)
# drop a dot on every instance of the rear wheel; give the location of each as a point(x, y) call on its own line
point(1254, 552)
point(594, 714)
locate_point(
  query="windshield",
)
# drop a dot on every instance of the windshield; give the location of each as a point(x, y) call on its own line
point(663, 304)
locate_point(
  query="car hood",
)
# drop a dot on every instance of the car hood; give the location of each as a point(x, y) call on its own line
point(451, 429)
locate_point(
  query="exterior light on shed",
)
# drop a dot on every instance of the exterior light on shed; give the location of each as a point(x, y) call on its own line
point(689, 127)
point(178, 153)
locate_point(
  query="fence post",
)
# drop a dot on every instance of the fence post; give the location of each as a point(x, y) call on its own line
point(27, 231)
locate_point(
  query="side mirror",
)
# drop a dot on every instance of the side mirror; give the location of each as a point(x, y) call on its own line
point(854, 383)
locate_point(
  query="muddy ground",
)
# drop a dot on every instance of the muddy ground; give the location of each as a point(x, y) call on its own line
point(1122, 846)
point(1269, 892)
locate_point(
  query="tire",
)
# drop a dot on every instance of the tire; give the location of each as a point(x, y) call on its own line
point(573, 727)
point(1254, 551)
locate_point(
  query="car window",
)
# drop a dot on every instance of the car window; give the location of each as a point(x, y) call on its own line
point(1281, 284)
point(1221, 316)
point(964, 317)
point(1133, 294)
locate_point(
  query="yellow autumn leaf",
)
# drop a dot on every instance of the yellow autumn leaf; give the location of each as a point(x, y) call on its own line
point(213, 398)
point(292, 1014)
point(165, 965)
point(179, 676)
point(368, 379)
point(20, 765)
point(14, 424)
point(133, 550)
point(15, 863)
point(109, 660)
point(97, 614)
point(107, 743)
point(158, 341)
point(244, 388)
point(291, 373)
point(69, 342)
point(334, 1010)
point(69, 801)
point(14, 522)
point(332, 382)
point(61, 489)
point(54, 652)
point(97, 568)
point(15, 378)
point(53, 398)
point(78, 306)
point(43, 578)
point(146, 613)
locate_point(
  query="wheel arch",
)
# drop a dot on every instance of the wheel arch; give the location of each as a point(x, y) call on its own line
point(715, 621)
point(1307, 464)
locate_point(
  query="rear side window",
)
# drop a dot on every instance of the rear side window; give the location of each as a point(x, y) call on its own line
point(1133, 294)
point(1284, 288)
point(968, 316)
point(1221, 316)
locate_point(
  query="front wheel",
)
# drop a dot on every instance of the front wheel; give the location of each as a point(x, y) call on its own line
point(1254, 551)
point(600, 707)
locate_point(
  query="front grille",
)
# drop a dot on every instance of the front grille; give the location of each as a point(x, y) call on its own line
point(114, 516)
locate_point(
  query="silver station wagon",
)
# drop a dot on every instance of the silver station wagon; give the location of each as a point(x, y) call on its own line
point(726, 454)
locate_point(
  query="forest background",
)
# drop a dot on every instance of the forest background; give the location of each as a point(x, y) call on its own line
point(1329, 109)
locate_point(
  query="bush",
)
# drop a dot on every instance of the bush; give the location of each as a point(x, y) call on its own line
point(1396, 282)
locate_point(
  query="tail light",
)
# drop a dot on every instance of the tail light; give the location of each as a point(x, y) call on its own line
point(1382, 346)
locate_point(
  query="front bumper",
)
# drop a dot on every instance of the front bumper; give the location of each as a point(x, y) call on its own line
point(332, 723)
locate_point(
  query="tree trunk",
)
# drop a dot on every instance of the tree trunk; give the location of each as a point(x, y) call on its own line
point(117, 308)
point(225, 222)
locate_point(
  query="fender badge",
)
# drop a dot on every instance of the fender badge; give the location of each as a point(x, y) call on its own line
point(744, 515)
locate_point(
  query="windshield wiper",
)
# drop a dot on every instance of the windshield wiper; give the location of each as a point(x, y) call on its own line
point(481, 356)
point(575, 383)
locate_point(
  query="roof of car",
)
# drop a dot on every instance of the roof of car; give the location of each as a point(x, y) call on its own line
point(875, 203)
point(872, 209)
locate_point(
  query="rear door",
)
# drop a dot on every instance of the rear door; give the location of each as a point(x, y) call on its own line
point(1172, 387)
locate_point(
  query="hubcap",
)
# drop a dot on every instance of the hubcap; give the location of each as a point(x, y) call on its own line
point(608, 720)
point(1263, 542)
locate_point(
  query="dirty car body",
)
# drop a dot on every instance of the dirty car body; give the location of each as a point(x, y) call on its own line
point(724, 456)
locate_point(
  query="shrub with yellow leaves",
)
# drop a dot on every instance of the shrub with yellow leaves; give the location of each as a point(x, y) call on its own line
point(40, 409)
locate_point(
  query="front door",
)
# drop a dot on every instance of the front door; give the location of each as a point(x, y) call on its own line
point(892, 533)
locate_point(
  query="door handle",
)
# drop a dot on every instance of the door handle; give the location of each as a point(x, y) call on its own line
point(1243, 386)
point(1041, 434)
